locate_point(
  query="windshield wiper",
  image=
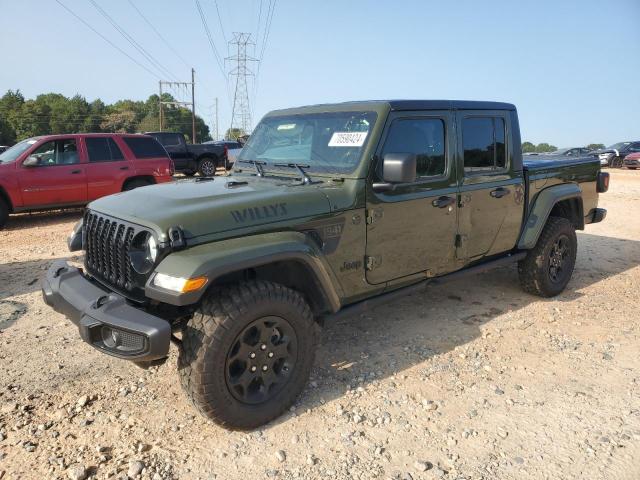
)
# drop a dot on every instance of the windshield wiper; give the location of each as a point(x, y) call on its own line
point(306, 179)
point(257, 165)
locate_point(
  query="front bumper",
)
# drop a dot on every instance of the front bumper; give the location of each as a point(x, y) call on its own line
point(105, 320)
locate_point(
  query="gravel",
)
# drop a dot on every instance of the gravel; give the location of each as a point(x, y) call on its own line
point(472, 379)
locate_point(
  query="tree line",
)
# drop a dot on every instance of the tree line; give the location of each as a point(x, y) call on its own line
point(528, 147)
point(53, 113)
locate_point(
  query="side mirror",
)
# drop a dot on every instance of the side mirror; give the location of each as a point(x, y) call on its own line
point(399, 168)
point(31, 161)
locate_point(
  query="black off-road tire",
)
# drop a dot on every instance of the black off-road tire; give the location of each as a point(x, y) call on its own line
point(535, 270)
point(135, 183)
point(212, 335)
point(4, 213)
point(207, 166)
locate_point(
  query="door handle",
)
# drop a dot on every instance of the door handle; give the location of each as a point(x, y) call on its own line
point(499, 192)
point(124, 168)
point(443, 202)
point(73, 172)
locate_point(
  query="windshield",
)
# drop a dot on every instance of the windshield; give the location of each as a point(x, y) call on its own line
point(619, 145)
point(322, 142)
point(14, 152)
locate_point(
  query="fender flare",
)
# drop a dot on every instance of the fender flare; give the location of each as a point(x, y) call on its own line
point(542, 206)
point(217, 259)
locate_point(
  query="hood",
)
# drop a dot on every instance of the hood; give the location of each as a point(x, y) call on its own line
point(213, 206)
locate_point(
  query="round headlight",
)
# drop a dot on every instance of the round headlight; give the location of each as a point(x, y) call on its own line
point(143, 252)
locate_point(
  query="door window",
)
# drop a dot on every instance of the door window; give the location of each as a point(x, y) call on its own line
point(103, 149)
point(57, 152)
point(483, 140)
point(423, 137)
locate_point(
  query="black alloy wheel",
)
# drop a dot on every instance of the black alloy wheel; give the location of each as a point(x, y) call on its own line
point(261, 360)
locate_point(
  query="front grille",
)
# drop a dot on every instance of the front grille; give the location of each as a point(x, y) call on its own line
point(107, 242)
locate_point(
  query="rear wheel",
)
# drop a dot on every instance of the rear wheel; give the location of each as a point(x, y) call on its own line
point(247, 353)
point(135, 183)
point(4, 213)
point(207, 167)
point(547, 268)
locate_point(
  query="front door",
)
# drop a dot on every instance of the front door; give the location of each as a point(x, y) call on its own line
point(58, 178)
point(491, 186)
point(412, 229)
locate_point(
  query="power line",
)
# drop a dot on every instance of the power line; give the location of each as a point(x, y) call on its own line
point(159, 34)
point(106, 39)
point(210, 38)
point(224, 37)
point(267, 29)
point(150, 58)
point(259, 20)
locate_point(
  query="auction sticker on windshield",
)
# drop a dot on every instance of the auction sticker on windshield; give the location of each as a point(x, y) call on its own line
point(347, 139)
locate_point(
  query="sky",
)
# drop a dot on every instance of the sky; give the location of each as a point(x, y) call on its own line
point(571, 67)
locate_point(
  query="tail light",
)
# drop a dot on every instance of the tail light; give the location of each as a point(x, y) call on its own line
point(602, 184)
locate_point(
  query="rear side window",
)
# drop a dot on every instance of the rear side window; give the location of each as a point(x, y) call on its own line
point(423, 137)
point(483, 141)
point(145, 147)
point(103, 149)
point(169, 139)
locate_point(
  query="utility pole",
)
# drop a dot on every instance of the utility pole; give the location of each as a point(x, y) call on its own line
point(193, 106)
point(217, 137)
point(241, 112)
point(160, 102)
point(192, 103)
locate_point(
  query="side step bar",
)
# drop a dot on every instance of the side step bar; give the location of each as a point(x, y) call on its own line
point(364, 305)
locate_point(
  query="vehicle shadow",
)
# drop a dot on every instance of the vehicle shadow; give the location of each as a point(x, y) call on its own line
point(358, 350)
point(45, 218)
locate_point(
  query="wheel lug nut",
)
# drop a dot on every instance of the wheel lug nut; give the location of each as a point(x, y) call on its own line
point(270, 354)
point(252, 355)
point(263, 347)
point(253, 368)
point(264, 368)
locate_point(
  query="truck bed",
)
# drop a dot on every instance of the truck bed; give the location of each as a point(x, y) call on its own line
point(539, 162)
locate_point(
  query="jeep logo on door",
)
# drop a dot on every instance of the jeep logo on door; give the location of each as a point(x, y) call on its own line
point(261, 212)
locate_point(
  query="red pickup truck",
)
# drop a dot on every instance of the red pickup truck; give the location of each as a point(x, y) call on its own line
point(67, 170)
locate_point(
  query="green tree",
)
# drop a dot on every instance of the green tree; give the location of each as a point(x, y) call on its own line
point(545, 147)
point(10, 107)
point(120, 122)
point(528, 147)
point(54, 113)
point(234, 133)
point(595, 146)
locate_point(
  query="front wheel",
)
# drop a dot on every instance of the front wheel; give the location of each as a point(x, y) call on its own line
point(207, 167)
point(547, 268)
point(247, 353)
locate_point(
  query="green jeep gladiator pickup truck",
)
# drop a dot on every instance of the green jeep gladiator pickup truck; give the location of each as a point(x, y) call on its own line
point(330, 209)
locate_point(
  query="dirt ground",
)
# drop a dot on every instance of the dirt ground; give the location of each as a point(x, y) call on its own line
point(473, 379)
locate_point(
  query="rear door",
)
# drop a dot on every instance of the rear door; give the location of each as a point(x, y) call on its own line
point(149, 157)
point(59, 178)
point(491, 185)
point(412, 229)
point(107, 168)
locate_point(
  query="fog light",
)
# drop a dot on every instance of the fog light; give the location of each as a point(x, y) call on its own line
point(121, 340)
